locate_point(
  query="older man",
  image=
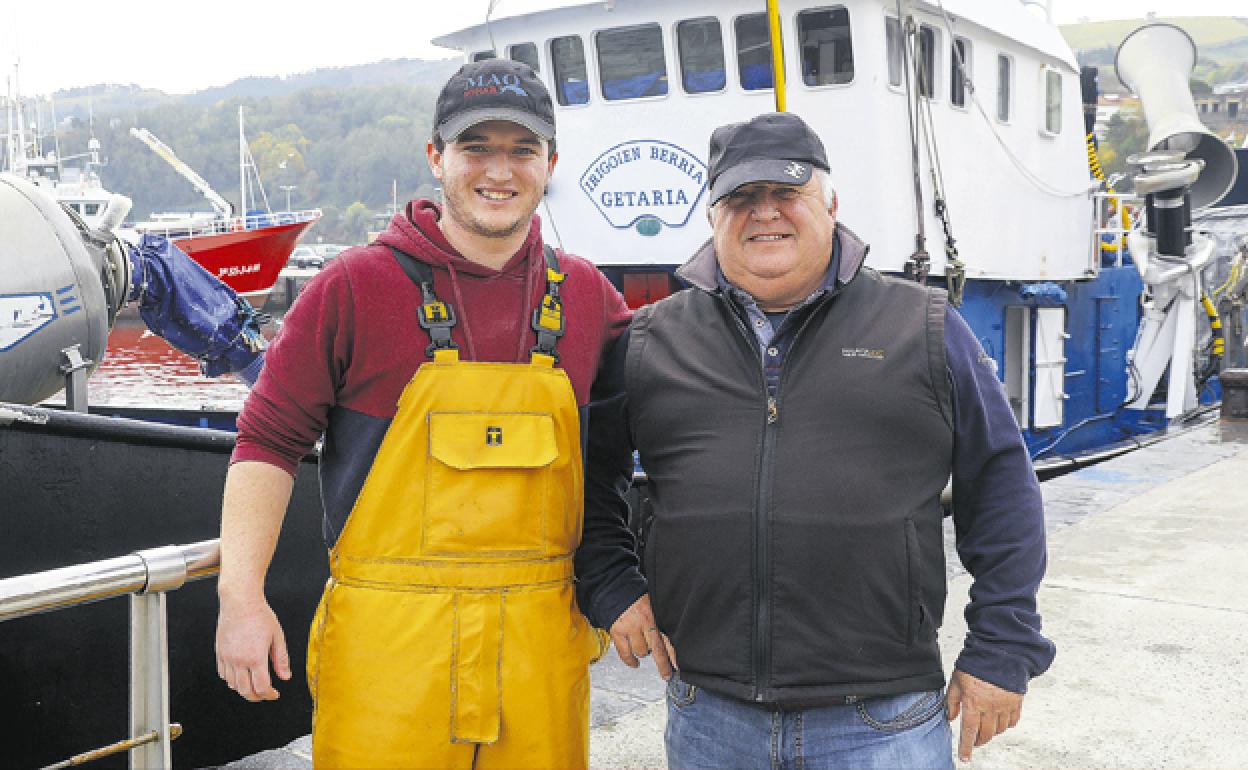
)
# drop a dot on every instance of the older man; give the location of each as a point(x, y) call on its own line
point(798, 415)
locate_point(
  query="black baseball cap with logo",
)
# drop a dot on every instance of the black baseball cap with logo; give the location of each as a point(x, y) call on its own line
point(774, 147)
point(493, 89)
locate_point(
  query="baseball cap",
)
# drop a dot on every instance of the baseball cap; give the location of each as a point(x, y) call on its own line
point(773, 147)
point(494, 89)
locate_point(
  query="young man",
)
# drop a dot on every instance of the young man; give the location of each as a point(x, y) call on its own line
point(798, 415)
point(447, 365)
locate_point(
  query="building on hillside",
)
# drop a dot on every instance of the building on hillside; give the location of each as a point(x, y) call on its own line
point(1224, 109)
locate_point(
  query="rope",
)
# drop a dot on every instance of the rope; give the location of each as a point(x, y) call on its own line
point(918, 264)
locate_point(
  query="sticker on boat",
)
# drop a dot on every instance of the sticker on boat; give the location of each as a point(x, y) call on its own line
point(645, 179)
point(21, 315)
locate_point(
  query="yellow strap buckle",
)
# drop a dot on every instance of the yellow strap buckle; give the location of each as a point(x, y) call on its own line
point(435, 312)
point(550, 317)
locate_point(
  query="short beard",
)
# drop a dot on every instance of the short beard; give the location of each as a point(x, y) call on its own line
point(460, 213)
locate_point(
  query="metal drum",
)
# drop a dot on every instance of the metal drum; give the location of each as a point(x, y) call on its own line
point(60, 287)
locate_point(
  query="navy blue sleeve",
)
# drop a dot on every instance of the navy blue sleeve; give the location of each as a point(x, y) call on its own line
point(608, 574)
point(998, 516)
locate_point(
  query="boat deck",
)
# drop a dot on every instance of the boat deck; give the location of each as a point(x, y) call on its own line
point(1144, 598)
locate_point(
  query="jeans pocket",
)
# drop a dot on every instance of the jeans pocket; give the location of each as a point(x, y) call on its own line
point(679, 693)
point(894, 713)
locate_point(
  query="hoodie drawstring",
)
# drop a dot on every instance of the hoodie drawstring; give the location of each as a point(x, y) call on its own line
point(459, 303)
point(524, 307)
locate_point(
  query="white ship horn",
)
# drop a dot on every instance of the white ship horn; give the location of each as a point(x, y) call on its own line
point(1155, 62)
point(115, 213)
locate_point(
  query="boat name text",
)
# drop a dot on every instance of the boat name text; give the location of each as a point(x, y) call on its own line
point(645, 178)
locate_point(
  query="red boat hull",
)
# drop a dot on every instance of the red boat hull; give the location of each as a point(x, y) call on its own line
point(249, 261)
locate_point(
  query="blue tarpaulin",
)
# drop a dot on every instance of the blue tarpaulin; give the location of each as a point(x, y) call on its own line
point(194, 311)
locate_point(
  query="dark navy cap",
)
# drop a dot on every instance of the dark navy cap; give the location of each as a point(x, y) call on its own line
point(494, 89)
point(775, 147)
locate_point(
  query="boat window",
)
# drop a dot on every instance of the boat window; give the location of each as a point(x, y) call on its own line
point(526, 53)
point(701, 46)
point(827, 51)
point(567, 57)
point(927, 61)
point(483, 55)
point(631, 63)
point(892, 36)
point(1052, 101)
point(753, 51)
point(1004, 80)
point(1232, 109)
point(90, 209)
point(1215, 106)
point(960, 63)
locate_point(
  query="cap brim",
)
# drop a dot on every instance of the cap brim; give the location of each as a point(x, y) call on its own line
point(458, 124)
point(767, 170)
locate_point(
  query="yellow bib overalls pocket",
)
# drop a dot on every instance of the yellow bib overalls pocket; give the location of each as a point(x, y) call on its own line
point(448, 635)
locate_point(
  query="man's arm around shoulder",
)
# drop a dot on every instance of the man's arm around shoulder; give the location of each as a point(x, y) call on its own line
point(248, 633)
point(610, 588)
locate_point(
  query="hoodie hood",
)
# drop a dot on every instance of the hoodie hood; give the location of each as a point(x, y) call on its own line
point(415, 231)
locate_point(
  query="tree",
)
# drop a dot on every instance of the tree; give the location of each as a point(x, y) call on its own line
point(1125, 137)
point(355, 223)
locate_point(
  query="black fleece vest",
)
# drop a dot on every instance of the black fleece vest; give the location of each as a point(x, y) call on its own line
point(797, 561)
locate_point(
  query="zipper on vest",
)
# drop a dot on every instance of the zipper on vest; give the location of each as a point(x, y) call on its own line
point(762, 555)
point(761, 607)
point(762, 529)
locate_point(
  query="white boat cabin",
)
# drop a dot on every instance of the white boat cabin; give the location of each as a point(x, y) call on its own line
point(640, 84)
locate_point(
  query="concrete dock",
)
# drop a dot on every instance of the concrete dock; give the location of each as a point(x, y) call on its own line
point(1145, 598)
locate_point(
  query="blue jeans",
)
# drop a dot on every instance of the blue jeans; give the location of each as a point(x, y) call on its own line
point(706, 730)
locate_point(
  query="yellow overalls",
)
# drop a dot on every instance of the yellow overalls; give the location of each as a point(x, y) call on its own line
point(448, 635)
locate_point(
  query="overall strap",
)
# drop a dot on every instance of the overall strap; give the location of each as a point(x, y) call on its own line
point(548, 317)
point(436, 317)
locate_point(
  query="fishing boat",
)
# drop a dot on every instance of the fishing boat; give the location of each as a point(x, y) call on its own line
point(959, 150)
point(246, 249)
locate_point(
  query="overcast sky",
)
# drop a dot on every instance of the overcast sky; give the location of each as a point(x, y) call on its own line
point(182, 46)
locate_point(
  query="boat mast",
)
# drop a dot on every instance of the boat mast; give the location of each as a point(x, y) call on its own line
point(777, 54)
point(16, 139)
point(242, 165)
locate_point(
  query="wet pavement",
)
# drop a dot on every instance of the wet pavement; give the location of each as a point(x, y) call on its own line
point(1143, 598)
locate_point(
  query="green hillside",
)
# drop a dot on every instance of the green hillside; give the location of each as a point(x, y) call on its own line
point(1207, 31)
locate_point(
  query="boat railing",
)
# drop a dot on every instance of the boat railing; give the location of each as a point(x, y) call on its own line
point(147, 577)
point(1116, 215)
point(198, 228)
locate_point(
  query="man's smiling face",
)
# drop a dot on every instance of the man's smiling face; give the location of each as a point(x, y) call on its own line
point(493, 177)
point(774, 240)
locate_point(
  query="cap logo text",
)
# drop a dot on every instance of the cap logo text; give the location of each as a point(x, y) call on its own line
point(493, 84)
point(795, 170)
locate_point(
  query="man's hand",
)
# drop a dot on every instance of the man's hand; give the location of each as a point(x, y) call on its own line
point(248, 637)
point(635, 636)
point(987, 710)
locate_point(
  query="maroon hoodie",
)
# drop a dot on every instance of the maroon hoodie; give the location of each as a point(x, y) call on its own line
point(351, 342)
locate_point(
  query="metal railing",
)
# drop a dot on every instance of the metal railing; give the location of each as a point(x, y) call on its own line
point(192, 227)
point(1113, 219)
point(147, 576)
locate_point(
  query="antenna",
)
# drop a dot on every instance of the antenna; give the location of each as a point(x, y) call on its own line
point(488, 29)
